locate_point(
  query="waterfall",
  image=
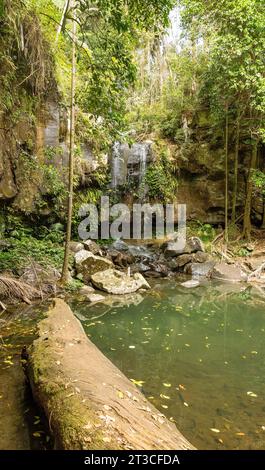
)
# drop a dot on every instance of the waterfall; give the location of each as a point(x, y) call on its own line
point(143, 161)
point(115, 164)
point(129, 164)
point(119, 164)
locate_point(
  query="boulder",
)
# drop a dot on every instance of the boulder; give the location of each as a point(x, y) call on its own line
point(120, 245)
point(75, 247)
point(180, 261)
point(228, 272)
point(93, 298)
point(86, 290)
point(193, 245)
point(93, 247)
point(88, 264)
point(201, 269)
point(152, 274)
point(200, 257)
point(43, 278)
point(115, 282)
point(190, 284)
point(121, 259)
point(183, 260)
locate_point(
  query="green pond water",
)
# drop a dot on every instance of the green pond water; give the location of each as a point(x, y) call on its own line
point(22, 425)
point(197, 354)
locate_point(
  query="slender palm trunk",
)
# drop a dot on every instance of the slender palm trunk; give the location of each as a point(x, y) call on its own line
point(65, 271)
point(236, 171)
point(249, 191)
point(226, 173)
point(65, 9)
point(263, 221)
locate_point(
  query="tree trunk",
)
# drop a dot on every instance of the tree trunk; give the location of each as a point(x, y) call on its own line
point(263, 221)
point(226, 173)
point(62, 22)
point(235, 172)
point(249, 190)
point(65, 271)
point(89, 403)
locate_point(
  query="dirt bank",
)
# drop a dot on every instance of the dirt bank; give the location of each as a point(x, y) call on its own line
point(89, 403)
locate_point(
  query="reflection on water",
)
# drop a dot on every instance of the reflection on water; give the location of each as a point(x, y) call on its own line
point(198, 355)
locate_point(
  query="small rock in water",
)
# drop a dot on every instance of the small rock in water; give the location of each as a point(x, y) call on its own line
point(190, 284)
point(85, 290)
point(95, 298)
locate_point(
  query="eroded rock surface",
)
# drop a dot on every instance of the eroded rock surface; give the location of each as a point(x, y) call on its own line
point(88, 264)
point(228, 272)
point(118, 283)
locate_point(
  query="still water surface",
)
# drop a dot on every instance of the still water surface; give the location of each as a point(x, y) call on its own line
point(198, 355)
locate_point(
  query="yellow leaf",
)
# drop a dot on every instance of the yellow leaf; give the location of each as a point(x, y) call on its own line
point(139, 383)
point(167, 385)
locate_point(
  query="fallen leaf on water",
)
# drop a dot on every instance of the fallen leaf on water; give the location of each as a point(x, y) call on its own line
point(221, 441)
point(167, 385)
point(254, 352)
point(139, 383)
point(181, 387)
point(251, 394)
point(166, 397)
point(165, 406)
point(240, 434)
point(7, 361)
point(215, 430)
point(131, 347)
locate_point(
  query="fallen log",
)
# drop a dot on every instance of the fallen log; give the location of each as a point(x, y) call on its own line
point(88, 401)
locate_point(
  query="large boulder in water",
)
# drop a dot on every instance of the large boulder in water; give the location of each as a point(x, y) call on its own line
point(201, 269)
point(228, 272)
point(87, 264)
point(193, 244)
point(118, 283)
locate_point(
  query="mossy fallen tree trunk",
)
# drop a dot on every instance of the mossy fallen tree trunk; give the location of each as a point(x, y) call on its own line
point(89, 403)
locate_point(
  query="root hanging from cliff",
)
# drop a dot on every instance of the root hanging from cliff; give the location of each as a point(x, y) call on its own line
point(13, 289)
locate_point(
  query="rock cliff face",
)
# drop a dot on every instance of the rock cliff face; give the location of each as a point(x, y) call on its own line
point(33, 142)
point(23, 152)
point(200, 160)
